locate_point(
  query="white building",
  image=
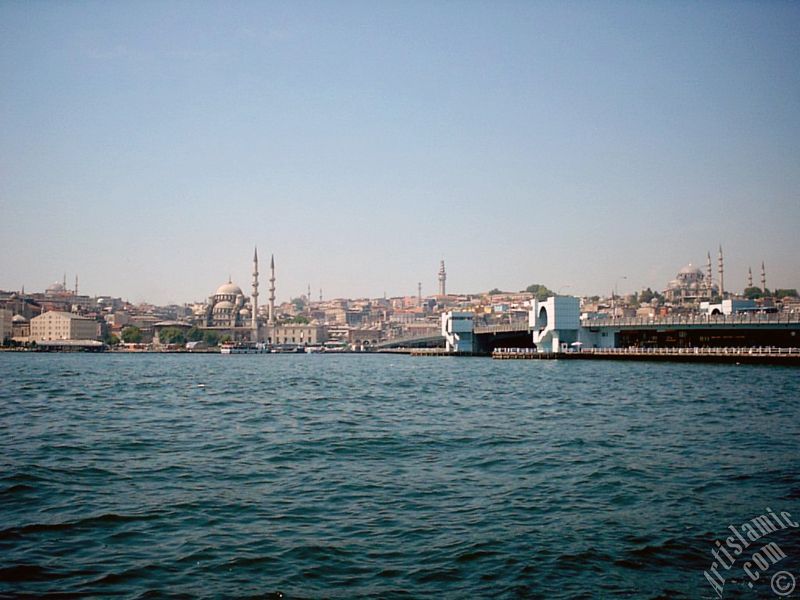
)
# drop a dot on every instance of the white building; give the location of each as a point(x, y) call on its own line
point(55, 325)
point(729, 306)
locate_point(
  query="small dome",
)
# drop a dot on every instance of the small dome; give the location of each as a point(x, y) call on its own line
point(244, 312)
point(18, 319)
point(224, 305)
point(56, 288)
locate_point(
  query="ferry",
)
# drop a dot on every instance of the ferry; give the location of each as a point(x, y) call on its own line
point(244, 348)
point(287, 349)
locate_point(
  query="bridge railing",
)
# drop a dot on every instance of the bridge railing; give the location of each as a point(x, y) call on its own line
point(515, 325)
point(721, 351)
point(746, 319)
point(412, 339)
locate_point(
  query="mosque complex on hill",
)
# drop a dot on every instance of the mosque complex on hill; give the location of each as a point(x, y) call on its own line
point(230, 312)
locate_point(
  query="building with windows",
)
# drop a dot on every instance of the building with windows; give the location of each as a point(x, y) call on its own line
point(56, 325)
point(297, 334)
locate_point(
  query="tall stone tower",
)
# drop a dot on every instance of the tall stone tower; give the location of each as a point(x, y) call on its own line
point(254, 315)
point(272, 290)
point(763, 279)
point(709, 283)
point(721, 275)
point(442, 280)
point(749, 277)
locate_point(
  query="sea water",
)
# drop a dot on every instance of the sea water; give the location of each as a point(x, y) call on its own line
point(348, 476)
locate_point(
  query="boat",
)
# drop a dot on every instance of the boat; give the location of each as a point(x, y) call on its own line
point(244, 348)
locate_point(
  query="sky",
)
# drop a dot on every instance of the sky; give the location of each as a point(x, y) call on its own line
point(149, 146)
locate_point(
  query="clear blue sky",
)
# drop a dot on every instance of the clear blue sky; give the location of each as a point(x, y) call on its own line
point(148, 146)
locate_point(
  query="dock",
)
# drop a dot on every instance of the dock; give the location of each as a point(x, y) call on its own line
point(438, 352)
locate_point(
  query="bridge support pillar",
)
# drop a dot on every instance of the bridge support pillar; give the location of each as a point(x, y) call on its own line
point(458, 329)
point(555, 321)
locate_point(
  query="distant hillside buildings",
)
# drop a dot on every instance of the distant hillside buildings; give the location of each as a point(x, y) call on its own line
point(60, 314)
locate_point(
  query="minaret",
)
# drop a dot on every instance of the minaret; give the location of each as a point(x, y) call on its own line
point(708, 277)
point(320, 294)
point(308, 295)
point(763, 279)
point(272, 290)
point(442, 280)
point(749, 277)
point(254, 307)
point(419, 294)
point(65, 282)
point(76, 284)
point(721, 275)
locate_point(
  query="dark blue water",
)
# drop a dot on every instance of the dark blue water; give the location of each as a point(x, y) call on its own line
point(386, 476)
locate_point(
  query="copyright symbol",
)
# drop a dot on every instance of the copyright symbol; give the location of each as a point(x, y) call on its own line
point(782, 583)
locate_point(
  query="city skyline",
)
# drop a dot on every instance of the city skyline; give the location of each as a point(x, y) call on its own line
point(621, 286)
point(148, 148)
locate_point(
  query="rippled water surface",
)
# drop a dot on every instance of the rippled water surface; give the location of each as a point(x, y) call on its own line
point(386, 476)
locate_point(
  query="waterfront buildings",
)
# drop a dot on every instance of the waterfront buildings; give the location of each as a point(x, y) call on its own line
point(231, 315)
point(56, 325)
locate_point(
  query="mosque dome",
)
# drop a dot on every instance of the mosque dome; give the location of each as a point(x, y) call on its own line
point(690, 269)
point(690, 285)
point(56, 288)
point(18, 319)
point(244, 313)
point(223, 305)
point(229, 289)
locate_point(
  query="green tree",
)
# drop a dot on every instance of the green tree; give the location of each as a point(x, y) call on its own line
point(110, 339)
point(131, 335)
point(494, 291)
point(225, 339)
point(539, 291)
point(195, 334)
point(301, 320)
point(211, 338)
point(172, 335)
point(786, 292)
point(753, 293)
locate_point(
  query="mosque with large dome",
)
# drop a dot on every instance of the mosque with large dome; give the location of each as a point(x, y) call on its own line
point(230, 310)
point(692, 286)
point(228, 307)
